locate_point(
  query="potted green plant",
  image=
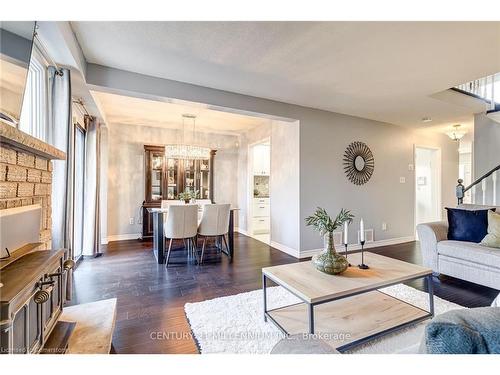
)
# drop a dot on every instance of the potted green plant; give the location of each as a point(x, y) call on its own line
point(329, 261)
point(187, 195)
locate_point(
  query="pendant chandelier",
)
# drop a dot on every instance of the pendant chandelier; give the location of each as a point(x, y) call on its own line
point(187, 151)
point(456, 134)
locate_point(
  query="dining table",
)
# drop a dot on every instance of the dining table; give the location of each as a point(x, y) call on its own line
point(159, 216)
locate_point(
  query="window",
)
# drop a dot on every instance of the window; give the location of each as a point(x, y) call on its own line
point(34, 113)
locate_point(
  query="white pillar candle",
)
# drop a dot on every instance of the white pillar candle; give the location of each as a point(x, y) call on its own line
point(361, 230)
point(346, 233)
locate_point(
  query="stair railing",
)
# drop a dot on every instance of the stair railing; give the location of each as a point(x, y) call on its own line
point(461, 189)
point(484, 89)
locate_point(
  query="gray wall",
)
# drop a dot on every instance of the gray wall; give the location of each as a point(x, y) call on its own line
point(126, 171)
point(383, 198)
point(323, 139)
point(486, 154)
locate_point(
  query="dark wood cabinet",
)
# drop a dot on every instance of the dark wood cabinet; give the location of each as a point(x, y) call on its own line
point(32, 299)
point(165, 179)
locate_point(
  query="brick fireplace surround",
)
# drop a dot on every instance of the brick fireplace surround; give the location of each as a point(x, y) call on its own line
point(26, 175)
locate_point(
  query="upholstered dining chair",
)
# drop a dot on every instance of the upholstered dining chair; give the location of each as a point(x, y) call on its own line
point(214, 223)
point(182, 224)
point(167, 203)
point(203, 202)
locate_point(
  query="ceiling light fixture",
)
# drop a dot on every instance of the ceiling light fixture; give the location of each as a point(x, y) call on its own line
point(187, 151)
point(456, 134)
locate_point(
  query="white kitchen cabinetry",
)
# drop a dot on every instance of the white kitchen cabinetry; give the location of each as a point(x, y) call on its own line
point(260, 225)
point(261, 160)
point(261, 212)
point(261, 207)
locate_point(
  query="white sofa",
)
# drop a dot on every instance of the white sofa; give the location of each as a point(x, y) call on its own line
point(464, 260)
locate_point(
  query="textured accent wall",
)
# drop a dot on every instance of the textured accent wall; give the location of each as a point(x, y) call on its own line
point(26, 179)
point(125, 177)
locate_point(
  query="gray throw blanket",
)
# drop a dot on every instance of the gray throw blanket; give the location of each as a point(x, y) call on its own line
point(467, 331)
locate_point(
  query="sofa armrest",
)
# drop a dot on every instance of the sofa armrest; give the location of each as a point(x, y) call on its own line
point(429, 234)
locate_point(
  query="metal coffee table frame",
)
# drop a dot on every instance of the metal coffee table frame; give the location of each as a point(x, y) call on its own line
point(310, 309)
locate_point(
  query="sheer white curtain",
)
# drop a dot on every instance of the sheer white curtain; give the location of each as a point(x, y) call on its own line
point(91, 218)
point(60, 136)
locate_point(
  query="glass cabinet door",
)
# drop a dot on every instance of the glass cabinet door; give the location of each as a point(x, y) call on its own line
point(204, 179)
point(156, 176)
point(172, 178)
point(167, 178)
point(189, 175)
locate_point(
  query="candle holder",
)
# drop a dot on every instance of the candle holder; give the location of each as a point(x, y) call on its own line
point(346, 253)
point(362, 266)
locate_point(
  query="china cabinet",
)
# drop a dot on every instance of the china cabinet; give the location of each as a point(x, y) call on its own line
point(166, 178)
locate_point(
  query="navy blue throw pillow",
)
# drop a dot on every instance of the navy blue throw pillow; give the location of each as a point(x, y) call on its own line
point(466, 225)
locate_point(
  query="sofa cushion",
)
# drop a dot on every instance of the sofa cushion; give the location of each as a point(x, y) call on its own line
point(492, 239)
point(469, 251)
point(466, 225)
point(464, 331)
point(475, 207)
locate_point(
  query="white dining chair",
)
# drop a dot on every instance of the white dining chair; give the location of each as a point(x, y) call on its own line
point(214, 223)
point(167, 203)
point(203, 202)
point(182, 224)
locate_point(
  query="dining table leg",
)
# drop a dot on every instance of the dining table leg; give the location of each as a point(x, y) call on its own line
point(230, 234)
point(158, 237)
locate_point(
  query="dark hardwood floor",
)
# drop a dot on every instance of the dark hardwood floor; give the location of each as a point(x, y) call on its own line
point(151, 297)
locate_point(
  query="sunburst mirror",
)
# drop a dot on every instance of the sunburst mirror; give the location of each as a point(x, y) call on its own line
point(358, 163)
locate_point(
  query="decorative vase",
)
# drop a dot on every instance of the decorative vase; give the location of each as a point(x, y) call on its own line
point(329, 261)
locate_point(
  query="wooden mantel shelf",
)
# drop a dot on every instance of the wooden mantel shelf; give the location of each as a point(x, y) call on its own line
point(20, 140)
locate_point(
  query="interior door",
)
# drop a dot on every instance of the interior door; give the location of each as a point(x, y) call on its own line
point(428, 185)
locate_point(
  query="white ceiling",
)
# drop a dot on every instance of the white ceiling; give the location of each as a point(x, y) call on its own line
point(385, 71)
point(127, 110)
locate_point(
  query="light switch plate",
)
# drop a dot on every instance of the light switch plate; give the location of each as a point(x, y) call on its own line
point(402, 180)
point(411, 167)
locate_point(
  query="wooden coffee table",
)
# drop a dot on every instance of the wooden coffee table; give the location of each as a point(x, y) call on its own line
point(346, 309)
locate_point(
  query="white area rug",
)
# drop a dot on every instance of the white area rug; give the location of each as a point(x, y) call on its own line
point(235, 324)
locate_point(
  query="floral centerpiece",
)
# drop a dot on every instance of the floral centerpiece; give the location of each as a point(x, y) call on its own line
point(188, 195)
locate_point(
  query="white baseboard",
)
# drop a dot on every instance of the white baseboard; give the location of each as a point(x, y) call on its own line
point(286, 249)
point(242, 231)
point(369, 245)
point(121, 237)
point(309, 253)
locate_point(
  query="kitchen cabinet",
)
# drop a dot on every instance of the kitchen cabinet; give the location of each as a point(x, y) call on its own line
point(262, 160)
point(260, 225)
point(261, 215)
